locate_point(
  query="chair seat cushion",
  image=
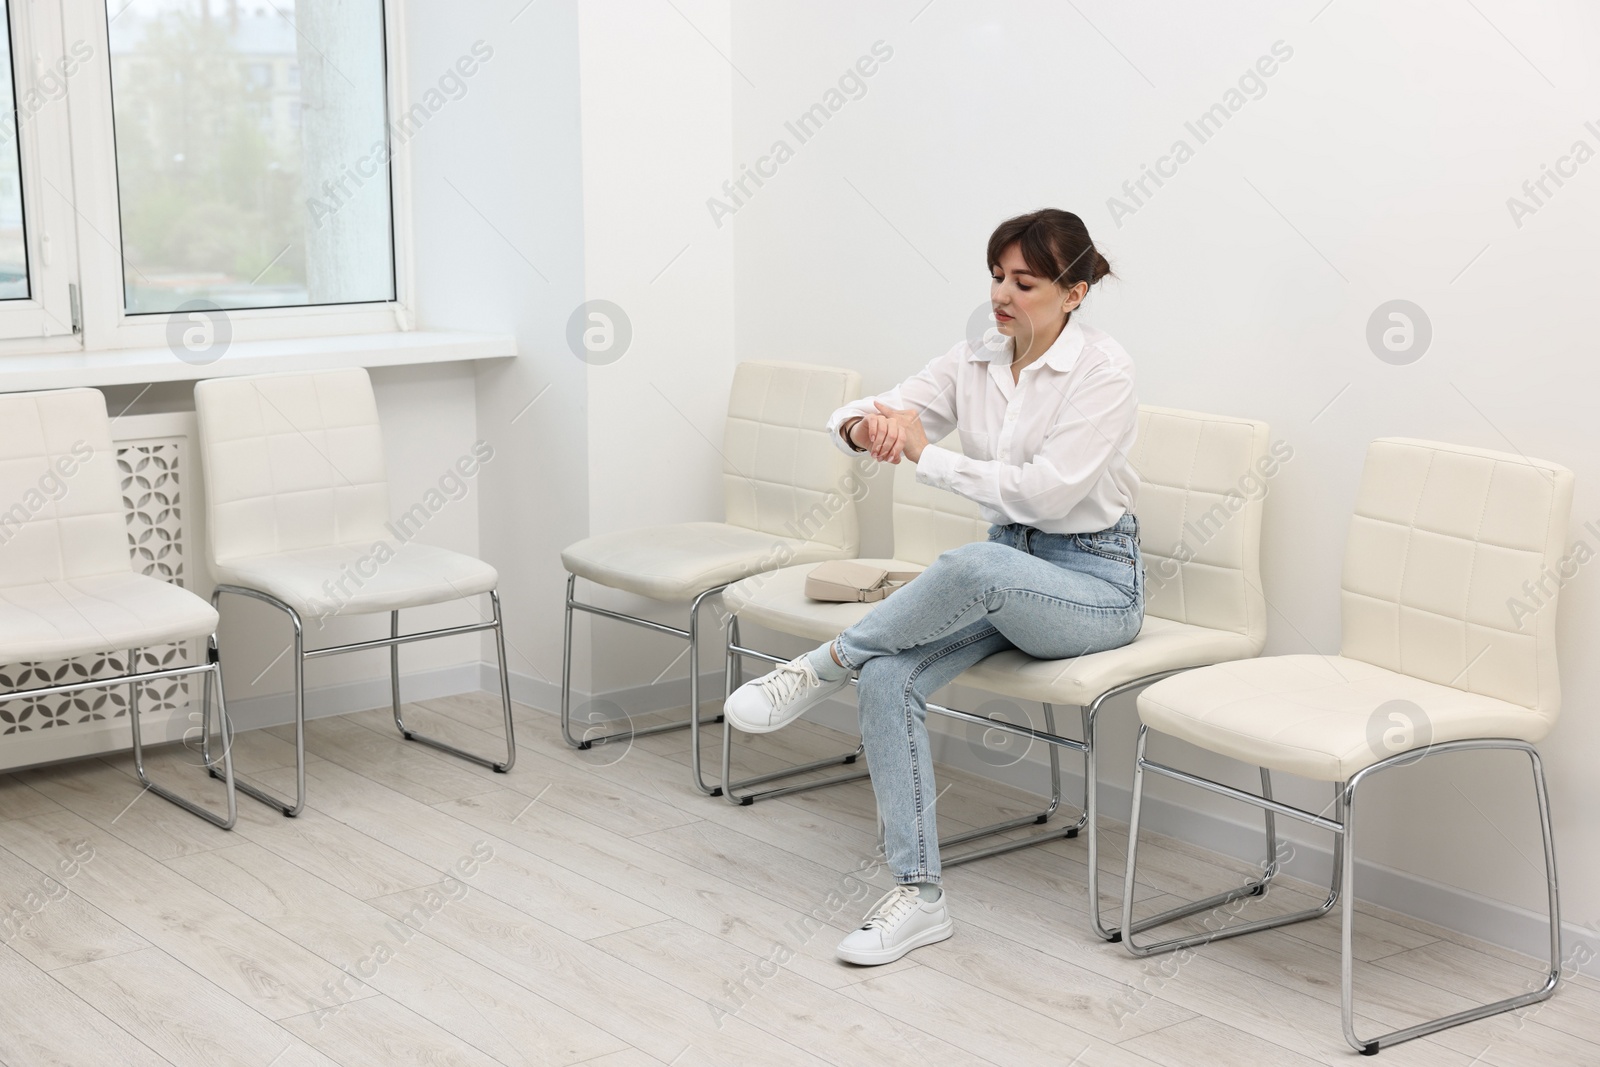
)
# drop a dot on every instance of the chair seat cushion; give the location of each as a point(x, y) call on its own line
point(778, 601)
point(1323, 717)
point(679, 562)
point(358, 579)
point(99, 613)
point(1162, 645)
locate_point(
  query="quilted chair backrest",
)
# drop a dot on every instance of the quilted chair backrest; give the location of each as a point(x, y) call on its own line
point(1203, 481)
point(61, 512)
point(927, 520)
point(1452, 565)
point(780, 474)
point(291, 461)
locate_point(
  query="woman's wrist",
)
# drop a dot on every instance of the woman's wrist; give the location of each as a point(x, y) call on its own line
point(847, 431)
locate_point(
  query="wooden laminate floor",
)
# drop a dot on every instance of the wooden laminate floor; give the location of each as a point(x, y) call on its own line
point(590, 908)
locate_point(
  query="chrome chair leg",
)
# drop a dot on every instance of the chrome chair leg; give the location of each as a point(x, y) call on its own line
point(1369, 1046)
point(1060, 833)
point(735, 653)
point(212, 669)
point(1342, 825)
point(735, 663)
point(298, 666)
point(695, 774)
point(1254, 887)
point(394, 673)
point(1091, 805)
point(505, 680)
point(692, 723)
point(566, 671)
point(498, 766)
point(205, 712)
point(213, 676)
point(1087, 822)
point(392, 642)
point(732, 666)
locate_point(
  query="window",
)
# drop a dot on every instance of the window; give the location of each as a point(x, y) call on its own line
point(37, 254)
point(220, 203)
point(163, 155)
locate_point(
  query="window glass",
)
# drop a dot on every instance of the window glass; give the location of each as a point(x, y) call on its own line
point(13, 239)
point(252, 153)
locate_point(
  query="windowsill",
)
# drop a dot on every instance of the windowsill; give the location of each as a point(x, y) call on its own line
point(133, 366)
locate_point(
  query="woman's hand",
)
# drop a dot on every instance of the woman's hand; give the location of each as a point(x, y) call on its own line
point(877, 435)
point(902, 434)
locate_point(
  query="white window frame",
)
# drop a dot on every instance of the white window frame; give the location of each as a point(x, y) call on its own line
point(44, 321)
point(85, 244)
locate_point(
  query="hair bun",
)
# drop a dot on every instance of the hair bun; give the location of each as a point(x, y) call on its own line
point(1055, 244)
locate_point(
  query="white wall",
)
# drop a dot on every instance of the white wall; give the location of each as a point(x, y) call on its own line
point(496, 181)
point(571, 171)
point(1376, 166)
point(657, 127)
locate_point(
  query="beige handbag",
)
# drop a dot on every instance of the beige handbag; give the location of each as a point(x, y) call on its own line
point(851, 581)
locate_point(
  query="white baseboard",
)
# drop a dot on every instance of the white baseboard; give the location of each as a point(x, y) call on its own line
point(616, 704)
point(38, 748)
point(277, 709)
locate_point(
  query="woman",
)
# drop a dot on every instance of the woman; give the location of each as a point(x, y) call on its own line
point(1046, 419)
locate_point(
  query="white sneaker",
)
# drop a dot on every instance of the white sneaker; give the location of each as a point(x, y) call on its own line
point(900, 922)
point(779, 697)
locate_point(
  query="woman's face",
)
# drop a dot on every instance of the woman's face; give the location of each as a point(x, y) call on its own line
point(1025, 304)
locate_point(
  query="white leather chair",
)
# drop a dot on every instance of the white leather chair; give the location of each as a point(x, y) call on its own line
point(1202, 487)
point(927, 522)
point(67, 583)
point(297, 504)
point(786, 497)
point(1435, 657)
point(1204, 480)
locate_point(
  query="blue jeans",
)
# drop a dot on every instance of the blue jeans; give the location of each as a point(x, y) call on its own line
point(1054, 596)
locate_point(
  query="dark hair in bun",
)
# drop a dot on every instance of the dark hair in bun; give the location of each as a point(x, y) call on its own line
point(1055, 244)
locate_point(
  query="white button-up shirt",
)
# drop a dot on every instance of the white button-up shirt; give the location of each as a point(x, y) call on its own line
point(1049, 450)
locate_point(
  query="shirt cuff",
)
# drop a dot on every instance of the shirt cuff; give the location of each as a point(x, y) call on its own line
point(842, 416)
point(937, 466)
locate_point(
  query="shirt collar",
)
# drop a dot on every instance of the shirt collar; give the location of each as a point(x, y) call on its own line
point(1060, 357)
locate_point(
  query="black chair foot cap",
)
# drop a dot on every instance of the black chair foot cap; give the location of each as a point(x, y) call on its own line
point(408, 735)
point(717, 792)
point(584, 746)
point(1041, 820)
point(1116, 938)
point(720, 718)
point(850, 759)
point(501, 768)
point(1259, 891)
point(1070, 834)
point(745, 802)
point(1370, 1049)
